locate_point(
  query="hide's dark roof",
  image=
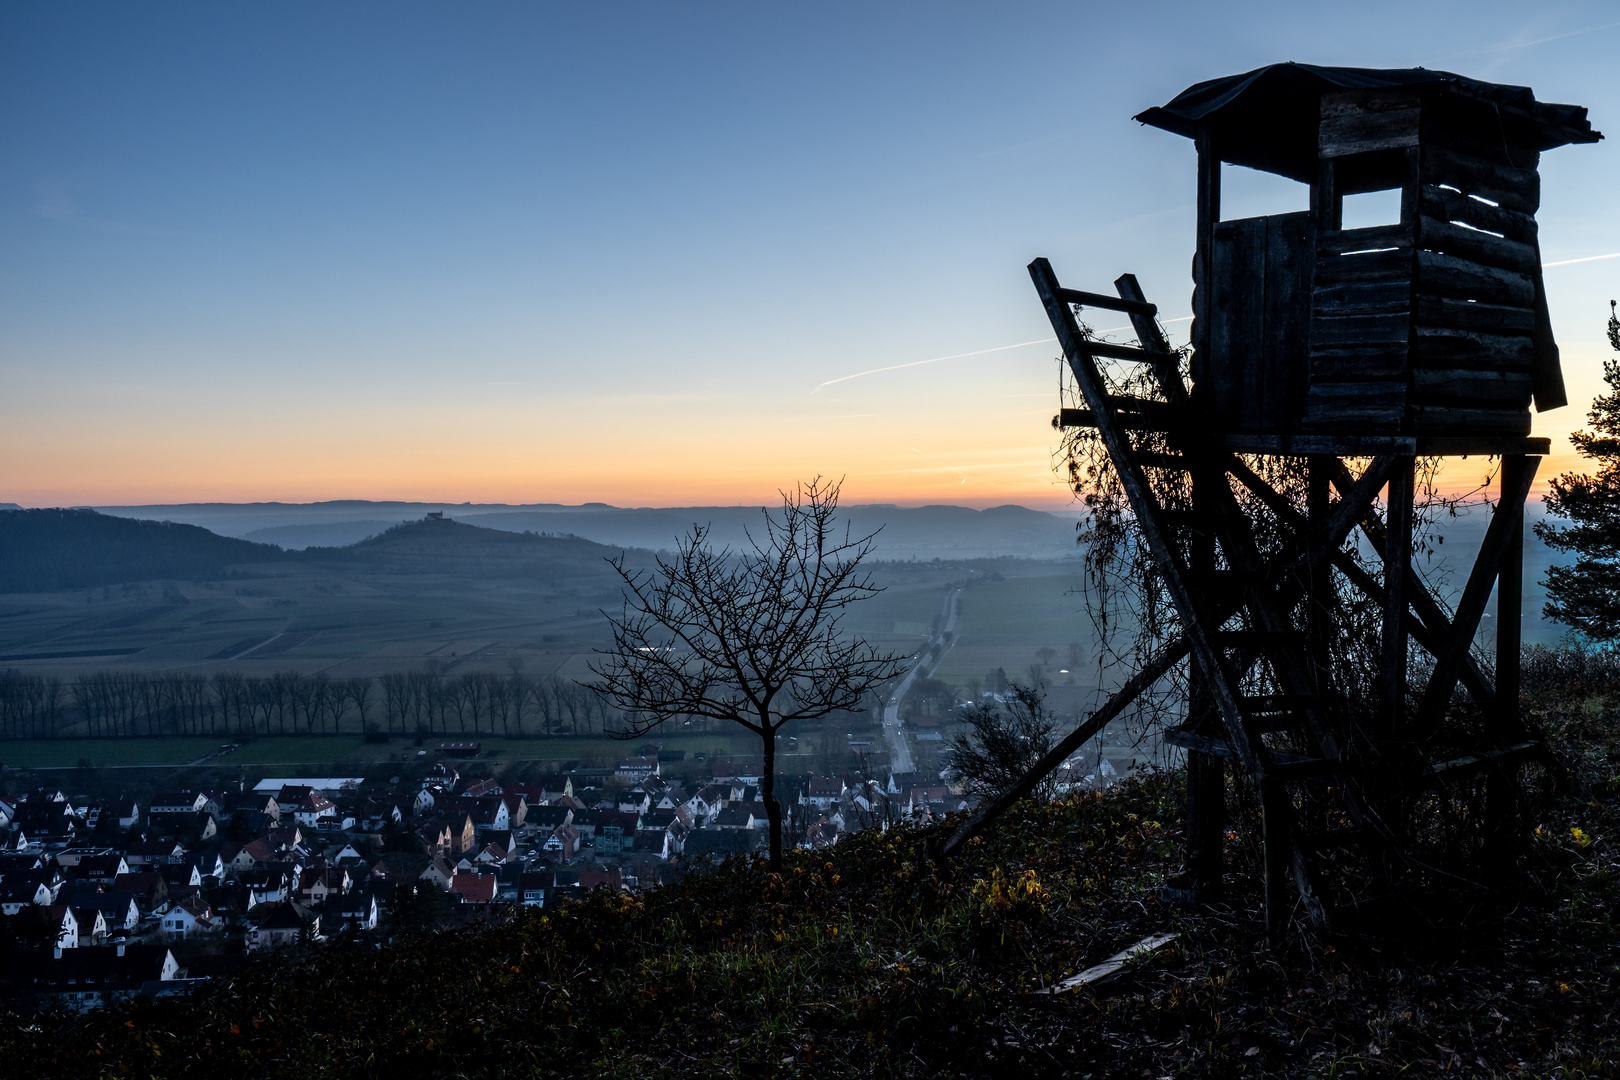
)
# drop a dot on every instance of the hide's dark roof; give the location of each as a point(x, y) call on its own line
point(1268, 117)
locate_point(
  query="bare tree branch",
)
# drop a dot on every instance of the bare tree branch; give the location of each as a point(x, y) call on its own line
point(754, 637)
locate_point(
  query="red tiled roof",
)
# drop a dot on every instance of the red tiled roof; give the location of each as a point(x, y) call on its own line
point(474, 888)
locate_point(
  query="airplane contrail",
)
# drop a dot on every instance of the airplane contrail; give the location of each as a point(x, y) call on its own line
point(1589, 258)
point(977, 352)
point(935, 360)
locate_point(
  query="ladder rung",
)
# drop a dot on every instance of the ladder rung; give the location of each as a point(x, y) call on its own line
point(1120, 352)
point(1303, 768)
point(1112, 303)
point(1251, 639)
point(1333, 838)
point(1135, 406)
point(1273, 704)
point(1074, 418)
point(1484, 758)
point(1207, 744)
point(1150, 460)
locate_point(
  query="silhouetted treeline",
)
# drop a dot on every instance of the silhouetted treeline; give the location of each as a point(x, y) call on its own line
point(47, 550)
point(127, 703)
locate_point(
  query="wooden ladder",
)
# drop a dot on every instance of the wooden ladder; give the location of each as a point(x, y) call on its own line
point(1223, 721)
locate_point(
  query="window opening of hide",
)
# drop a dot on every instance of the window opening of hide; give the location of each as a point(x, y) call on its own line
point(1247, 193)
point(1370, 209)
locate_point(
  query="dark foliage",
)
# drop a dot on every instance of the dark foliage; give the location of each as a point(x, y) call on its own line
point(1003, 745)
point(47, 550)
point(1586, 596)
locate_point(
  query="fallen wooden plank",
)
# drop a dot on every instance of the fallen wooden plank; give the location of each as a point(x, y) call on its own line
point(1112, 966)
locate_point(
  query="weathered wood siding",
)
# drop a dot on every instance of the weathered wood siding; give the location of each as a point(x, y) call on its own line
point(1429, 326)
point(1255, 377)
point(1478, 268)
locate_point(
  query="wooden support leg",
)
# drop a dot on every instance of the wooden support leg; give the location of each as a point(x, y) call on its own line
point(1206, 824)
point(1509, 605)
point(1275, 815)
point(1501, 794)
point(1319, 621)
point(1206, 775)
point(1397, 570)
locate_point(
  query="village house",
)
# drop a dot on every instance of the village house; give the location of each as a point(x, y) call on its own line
point(92, 926)
point(100, 869)
point(356, 911)
point(315, 884)
point(439, 871)
point(188, 918)
point(60, 918)
point(120, 911)
point(142, 854)
point(14, 896)
point(473, 888)
point(291, 797)
point(561, 845)
point(312, 808)
point(178, 802)
point(282, 924)
point(124, 813)
point(147, 886)
point(79, 980)
point(823, 792)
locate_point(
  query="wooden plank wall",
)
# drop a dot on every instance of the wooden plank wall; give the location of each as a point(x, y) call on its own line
point(1427, 327)
point(1361, 319)
point(1255, 380)
point(1477, 265)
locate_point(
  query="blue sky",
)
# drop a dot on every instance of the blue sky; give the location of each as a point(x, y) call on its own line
point(532, 252)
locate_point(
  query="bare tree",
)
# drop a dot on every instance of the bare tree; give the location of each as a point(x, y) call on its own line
point(753, 637)
point(359, 692)
point(1003, 746)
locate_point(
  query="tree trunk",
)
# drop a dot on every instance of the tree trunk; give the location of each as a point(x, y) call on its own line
point(767, 787)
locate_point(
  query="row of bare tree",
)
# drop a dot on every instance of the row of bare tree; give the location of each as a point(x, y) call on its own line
point(128, 703)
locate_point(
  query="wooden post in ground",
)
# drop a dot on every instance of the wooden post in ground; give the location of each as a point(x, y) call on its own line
point(1501, 793)
point(1206, 773)
point(1397, 569)
point(1319, 608)
point(1278, 853)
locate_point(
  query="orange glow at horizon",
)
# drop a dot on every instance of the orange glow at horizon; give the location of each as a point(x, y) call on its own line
point(972, 433)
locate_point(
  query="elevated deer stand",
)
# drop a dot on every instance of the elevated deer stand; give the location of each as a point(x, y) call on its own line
point(1427, 337)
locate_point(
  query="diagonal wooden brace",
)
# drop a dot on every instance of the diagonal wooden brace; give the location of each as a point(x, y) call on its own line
point(1151, 672)
point(1426, 621)
point(1506, 522)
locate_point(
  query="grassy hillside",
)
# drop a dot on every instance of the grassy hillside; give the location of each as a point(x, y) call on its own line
point(48, 550)
point(861, 960)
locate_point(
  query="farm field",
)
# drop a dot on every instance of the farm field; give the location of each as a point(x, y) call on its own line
point(67, 753)
point(351, 750)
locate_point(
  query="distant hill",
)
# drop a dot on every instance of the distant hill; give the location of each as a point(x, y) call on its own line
point(48, 550)
point(441, 545)
point(241, 519)
point(923, 532)
point(319, 534)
